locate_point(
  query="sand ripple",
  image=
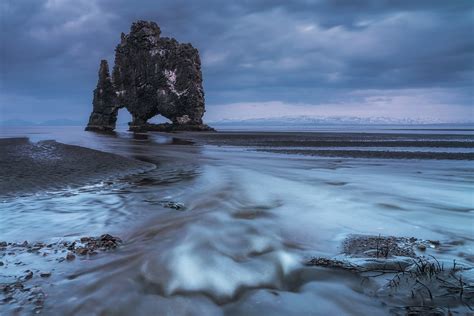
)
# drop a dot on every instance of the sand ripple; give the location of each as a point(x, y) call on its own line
point(28, 167)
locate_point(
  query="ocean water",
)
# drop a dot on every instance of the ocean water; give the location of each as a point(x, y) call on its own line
point(251, 220)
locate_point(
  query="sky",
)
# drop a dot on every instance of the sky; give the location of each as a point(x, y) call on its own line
point(260, 58)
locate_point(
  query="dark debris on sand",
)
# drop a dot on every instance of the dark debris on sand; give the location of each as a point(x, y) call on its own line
point(408, 283)
point(91, 244)
point(23, 293)
point(379, 246)
point(174, 205)
point(23, 297)
point(368, 246)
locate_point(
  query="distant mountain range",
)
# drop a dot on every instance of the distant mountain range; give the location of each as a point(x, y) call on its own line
point(304, 120)
point(283, 121)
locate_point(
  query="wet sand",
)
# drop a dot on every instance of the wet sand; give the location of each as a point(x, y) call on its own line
point(375, 154)
point(348, 145)
point(48, 165)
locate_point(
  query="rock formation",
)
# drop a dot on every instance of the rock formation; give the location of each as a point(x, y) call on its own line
point(152, 76)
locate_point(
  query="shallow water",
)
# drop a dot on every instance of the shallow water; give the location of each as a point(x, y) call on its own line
point(251, 219)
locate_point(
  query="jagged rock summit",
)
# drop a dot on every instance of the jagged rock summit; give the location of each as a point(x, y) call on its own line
point(152, 76)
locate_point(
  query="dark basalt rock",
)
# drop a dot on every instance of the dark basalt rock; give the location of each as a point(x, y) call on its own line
point(104, 114)
point(152, 76)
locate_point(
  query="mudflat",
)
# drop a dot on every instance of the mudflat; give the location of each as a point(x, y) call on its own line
point(434, 146)
point(28, 167)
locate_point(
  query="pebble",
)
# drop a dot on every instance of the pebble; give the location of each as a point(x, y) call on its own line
point(434, 242)
point(65, 251)
point(422, 247)
point(174, 205)
point(29, 275)
point(45, 274)
point(82, 251)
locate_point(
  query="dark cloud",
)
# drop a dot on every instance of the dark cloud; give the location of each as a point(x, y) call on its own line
point(293, 51)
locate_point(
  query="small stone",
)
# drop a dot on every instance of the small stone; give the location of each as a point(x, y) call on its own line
point(70, 256)
point(1, 264)
point(29, 275)
point(82, 251)
point(174, 205)
point(39, 245)
point(422, 247)
point(85, 239)
point(434, 242)
point(3, 243)
point(106, 237)
point(45, 274)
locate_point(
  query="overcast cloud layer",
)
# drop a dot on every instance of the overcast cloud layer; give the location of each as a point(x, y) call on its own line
point(364, 58)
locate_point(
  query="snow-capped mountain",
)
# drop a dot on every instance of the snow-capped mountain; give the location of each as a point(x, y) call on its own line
point(305, 120)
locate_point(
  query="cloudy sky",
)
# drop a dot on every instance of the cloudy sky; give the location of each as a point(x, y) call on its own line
point(261, 58)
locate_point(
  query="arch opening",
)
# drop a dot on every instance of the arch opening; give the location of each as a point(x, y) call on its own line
point(123, 119)
point(159, 119)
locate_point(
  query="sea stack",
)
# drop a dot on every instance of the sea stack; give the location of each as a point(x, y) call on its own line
point(152, 76)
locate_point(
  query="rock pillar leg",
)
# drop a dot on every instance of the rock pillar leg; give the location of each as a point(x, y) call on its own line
point(104, 113)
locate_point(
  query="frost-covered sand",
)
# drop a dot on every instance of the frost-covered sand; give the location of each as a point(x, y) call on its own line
point(28, 167)
point(221, 228)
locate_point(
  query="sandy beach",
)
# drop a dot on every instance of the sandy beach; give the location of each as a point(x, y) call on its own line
point(48, 165)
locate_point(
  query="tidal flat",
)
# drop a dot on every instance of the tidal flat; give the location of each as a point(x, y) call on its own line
point(243, 223)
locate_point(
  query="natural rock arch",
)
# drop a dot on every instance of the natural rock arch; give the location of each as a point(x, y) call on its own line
point(152, 76)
